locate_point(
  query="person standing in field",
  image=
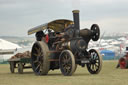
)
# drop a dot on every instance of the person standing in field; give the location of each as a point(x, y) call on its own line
point(126, 56)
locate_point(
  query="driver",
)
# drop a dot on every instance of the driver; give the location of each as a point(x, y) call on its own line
point(40, 36)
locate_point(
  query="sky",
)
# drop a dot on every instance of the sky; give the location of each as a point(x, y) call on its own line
point(18, 16)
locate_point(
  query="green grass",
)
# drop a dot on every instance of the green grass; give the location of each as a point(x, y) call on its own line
point(109, 75)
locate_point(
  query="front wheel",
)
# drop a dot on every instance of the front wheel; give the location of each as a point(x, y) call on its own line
point(67, 63)
point(95, 65)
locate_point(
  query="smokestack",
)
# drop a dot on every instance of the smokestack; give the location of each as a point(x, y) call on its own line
point(76, 19)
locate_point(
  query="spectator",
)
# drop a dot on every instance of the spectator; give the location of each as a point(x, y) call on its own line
point(126, 55)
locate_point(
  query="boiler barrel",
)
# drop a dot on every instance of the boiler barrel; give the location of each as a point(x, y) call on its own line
point(85, 33)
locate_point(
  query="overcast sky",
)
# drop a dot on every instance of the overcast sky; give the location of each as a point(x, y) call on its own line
point(18, 16)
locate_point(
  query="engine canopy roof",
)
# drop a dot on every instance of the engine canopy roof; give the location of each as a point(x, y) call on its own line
point(57, 25)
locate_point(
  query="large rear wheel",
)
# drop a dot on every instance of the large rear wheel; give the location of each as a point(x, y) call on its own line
point(95, 65)
point(67, 63)
point(40, 58)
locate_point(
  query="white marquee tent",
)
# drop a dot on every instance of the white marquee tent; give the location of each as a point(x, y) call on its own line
point(6, 45)
point(7, 48)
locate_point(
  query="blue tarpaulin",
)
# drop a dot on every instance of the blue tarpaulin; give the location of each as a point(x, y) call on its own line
point(107, 54)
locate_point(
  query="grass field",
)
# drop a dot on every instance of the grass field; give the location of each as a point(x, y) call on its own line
point(109, 75)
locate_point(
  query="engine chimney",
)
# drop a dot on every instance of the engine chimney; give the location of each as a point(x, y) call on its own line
point(76, 19)
point(76, 23)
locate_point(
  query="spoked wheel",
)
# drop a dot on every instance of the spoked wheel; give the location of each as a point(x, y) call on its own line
point(20, 68)
point(95, 64)
point(12, 67)
point(67, 63)
point(96, 30)
point(40, 57)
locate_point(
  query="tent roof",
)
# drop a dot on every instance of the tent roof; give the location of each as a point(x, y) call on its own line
point(6, 45)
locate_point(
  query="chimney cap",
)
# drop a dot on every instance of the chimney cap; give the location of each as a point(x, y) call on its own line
point(75, 11)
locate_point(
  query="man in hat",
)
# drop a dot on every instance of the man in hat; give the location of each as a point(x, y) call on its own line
point(126, 55)
point(40, 36)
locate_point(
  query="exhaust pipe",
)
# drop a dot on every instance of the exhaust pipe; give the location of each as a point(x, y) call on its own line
point(76, 19)
point(76, 23)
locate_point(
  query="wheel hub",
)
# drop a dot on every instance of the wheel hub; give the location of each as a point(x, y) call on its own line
point(93, 61)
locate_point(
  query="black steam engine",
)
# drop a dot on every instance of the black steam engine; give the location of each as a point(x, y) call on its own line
point(61, 44)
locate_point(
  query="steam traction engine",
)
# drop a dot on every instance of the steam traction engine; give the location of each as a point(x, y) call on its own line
point(65, 46)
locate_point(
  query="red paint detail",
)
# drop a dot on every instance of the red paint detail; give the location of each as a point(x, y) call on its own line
point(47, 38)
